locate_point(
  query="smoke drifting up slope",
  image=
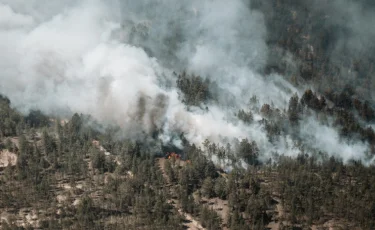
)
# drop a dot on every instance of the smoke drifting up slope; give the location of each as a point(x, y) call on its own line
point(110, 59)
point(71, 62)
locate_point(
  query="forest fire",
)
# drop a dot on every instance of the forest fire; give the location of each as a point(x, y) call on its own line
point(172, 155)
point(176, 156)
point(242, 114)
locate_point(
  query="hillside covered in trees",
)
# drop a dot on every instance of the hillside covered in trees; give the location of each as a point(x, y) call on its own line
point(67, 175)
point(128, 114)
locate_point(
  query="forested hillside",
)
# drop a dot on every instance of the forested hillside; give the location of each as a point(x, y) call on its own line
point(247, 114)
point(68, 175)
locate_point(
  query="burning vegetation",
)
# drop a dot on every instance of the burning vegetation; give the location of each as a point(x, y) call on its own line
point(187, 114)
point(172, 155)
point(133, 188)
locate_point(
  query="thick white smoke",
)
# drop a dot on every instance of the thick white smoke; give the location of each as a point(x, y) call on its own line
point(108, 59)
point(71, 62)
point(327, 140)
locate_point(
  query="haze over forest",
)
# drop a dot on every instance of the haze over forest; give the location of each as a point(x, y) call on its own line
point(238, 86)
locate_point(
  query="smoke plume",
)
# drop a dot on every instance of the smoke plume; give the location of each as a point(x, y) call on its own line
point(115, 61)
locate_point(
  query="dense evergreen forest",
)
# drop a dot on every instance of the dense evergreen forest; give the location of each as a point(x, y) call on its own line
point(74, 172)
point(67, 175)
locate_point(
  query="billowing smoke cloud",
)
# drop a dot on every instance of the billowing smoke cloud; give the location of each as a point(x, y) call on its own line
point(328, 141)
point(72, 62)
point(111, 59)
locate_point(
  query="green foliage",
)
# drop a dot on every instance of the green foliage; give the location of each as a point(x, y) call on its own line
point(10, 119)
point(36, 119)
point(312, 101)
point(102, 163)
point(209, 218)
point(249, 151)
point(293, 110)
point(246, 117)
point(220, 188)
point(195, 90)
point(85, 212)
point(208, 187)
